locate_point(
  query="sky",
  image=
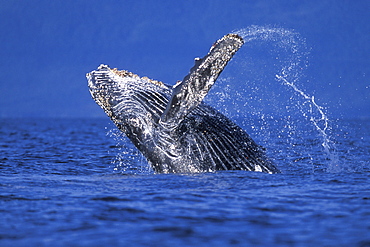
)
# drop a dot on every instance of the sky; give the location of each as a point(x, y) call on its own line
point(47, 47)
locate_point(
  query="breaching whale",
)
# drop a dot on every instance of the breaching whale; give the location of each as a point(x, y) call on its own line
point(172, 126)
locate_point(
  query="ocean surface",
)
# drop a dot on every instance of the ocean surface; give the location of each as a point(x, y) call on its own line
point(77, 182)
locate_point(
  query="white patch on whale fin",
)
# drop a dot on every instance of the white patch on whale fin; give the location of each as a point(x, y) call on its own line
point(188, 94)
point(257, 168)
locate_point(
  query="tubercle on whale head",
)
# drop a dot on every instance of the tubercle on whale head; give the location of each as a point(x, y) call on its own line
point(100, 85)
point(122, 74)
point(125, 73)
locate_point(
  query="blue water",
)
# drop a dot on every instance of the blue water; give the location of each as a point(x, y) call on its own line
point(73, 183)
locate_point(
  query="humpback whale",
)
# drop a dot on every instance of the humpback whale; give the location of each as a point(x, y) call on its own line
point(171, 126)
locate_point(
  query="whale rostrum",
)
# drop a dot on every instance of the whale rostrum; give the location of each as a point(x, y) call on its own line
point(172, 126)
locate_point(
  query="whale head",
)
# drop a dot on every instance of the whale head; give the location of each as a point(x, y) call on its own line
point(134, 103)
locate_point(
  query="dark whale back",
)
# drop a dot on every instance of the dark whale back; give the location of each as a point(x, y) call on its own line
point(172, 127)
point(219, 143)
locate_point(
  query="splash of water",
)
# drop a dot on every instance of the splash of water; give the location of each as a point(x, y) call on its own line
point(328, 145)
point(248, 90)
point(128, 160)
point(290, 73)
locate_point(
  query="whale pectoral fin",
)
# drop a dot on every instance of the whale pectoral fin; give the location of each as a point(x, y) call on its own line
point(189, 93)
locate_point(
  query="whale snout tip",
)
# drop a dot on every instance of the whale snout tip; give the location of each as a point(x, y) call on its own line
point(92, 77)
point(103, 67)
